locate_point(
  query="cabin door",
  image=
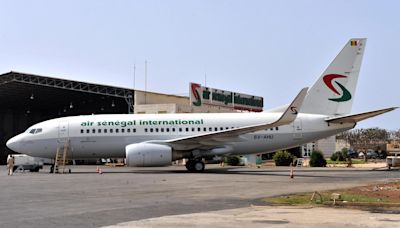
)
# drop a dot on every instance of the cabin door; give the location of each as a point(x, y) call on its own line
point(63, 132)
point(297, 129)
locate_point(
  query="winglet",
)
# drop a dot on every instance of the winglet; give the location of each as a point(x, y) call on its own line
point(292, 110)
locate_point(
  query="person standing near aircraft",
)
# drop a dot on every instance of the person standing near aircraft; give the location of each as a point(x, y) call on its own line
point(10, 165)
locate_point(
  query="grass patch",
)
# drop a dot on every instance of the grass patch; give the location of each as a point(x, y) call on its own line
point(354, 161)
point(304, 199)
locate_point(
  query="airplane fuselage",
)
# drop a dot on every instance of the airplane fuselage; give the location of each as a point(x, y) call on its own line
point(106, 136)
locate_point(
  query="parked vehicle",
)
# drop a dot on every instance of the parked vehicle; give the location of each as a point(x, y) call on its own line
point(361, 155)
point(351, 153)
point(25, 162)
point(372, 154)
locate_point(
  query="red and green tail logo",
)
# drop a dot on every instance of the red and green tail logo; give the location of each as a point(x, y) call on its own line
point(345, 96)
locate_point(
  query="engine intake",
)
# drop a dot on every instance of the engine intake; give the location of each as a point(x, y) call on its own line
point(147, 154)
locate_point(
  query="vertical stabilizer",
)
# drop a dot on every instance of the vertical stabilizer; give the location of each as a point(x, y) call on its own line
point(333, 93)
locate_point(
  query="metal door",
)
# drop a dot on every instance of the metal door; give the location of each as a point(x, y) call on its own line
point(63, 131)
point(297, 129)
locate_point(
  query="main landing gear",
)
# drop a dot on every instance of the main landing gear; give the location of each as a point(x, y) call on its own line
point(195, 165)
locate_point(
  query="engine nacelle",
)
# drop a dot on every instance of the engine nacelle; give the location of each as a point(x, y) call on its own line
point(147, 154)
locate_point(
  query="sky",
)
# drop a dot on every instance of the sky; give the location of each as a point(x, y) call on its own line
point(265, 48)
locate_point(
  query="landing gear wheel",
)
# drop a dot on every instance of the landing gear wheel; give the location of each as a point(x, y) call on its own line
point(198, 166)
point(195, 165)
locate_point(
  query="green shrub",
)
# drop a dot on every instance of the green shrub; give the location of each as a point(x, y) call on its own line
point(232, 160)
point(283, 158)
point(334, 156)
point(345, 154)
point(340, 155)
point(317, 159)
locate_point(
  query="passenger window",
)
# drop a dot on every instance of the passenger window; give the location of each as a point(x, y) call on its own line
point(193, 128)
point(93, 131)
point(180, 129)
point(221, 128)
point(187, 129)
point(276, 128)
point(105, 130)
point(134, 130)
point(128, 130)
point(82, 131)
point(98, 130)
point(116, 130)
point(122, 130)
point(205, 129)
point(145, 130)
point(111, 130)
point(216, 129)
point(162, 129)
point(87, 131)
point(272, 129)
point(226, 128)
point(199, 129)
point(173, 129)
point(151, 129)
point(156, 129)
point(167, 129)
point(210, 128)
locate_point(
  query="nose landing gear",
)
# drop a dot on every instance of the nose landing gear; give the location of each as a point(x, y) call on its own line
point(195, 166)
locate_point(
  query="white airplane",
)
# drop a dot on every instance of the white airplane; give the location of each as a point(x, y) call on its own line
point(159, 139)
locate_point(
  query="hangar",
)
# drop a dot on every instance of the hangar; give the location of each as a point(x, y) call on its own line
point(26, 99)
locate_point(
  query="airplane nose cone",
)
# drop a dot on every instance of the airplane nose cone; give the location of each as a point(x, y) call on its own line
point(14, 143)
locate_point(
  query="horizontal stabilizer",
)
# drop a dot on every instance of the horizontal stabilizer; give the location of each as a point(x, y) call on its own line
point(354, 118)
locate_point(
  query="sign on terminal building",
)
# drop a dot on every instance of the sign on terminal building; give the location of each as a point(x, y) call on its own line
point(201, 95)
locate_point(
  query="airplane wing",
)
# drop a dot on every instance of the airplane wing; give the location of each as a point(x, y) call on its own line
point(210, 140)
point(354, 118)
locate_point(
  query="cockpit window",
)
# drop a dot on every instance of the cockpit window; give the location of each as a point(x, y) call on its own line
point(35, 131)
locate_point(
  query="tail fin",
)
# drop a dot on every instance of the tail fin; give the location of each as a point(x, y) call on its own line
point(333, 93)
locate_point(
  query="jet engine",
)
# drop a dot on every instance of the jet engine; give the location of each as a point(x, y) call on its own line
point(148, 154)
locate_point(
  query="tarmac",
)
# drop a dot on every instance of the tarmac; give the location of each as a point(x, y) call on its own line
point(85, 198)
